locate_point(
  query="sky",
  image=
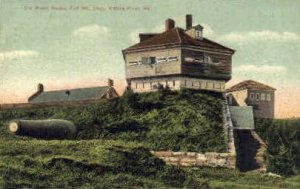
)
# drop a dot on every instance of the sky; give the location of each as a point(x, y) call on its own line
point(71, 44)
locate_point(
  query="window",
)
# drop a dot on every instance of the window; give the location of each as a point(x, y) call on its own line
point(173, 83)
point(133, 63)
point(172, 58)
point(152, 60)
point(268, 97)
point(210, 85)
point(263, 96)
point(167, 59)
point(230, 99)
point(257, 96)
point(143, 85)
point(189, 59)
point(217, 86)
point(148, 60)
point(161, 60)
point(136, 85)
point(252, 96)
point(198, 34)
point(199, 59)
point(206, 59)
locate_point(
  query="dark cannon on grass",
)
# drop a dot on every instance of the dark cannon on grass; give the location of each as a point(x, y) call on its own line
point(46, 129)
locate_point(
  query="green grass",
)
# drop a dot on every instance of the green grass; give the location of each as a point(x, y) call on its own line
point(32, 163)
point(112, 149)
point(179, 121)
point(85, 163)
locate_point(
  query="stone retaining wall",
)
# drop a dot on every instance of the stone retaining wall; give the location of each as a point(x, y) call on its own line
point(210, 159)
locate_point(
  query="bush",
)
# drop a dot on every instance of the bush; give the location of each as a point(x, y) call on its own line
point(282, 138)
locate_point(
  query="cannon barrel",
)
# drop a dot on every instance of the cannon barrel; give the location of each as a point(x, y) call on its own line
point(48, 129)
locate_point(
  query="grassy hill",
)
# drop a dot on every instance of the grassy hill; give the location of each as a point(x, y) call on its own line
point(33, 163)
point(186, 120)
point(113, 143)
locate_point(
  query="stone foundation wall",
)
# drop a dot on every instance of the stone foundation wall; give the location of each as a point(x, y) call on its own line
point(193, 159)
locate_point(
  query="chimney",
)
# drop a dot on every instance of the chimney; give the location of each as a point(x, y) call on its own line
point(110, 82)
point(188, 21)
point(40, 88)
point(170, 24)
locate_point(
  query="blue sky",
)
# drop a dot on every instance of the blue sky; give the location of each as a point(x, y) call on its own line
point(73, 43)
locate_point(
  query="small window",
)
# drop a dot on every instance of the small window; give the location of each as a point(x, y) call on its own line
point(189, 59)
point(148, 60)
point(263, 96)
point(230, 99)
point(133, 63)
point(217, 86)
point(161, 60)
point(152, 60)
point(210, 85)
point(172, 58)
point(144, 60)
point(198, 34)
point(268, 97)
point(206, 59)
point(173, 83)
point(252, 96)
point(199, 59)
point(257, 96)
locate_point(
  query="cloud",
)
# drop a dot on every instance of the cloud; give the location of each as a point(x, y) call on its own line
point(91, 31)
point(17, 55)
point(264, 35)
point(262, 69)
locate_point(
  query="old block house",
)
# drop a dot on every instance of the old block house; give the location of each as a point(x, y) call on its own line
point(177, 58)
point(252, 93)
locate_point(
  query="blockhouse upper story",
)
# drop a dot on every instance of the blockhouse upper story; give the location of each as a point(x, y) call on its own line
point(177, 55)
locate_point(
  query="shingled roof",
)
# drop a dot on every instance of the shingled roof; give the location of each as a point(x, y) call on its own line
point(176, 36)
point(249, 84)
point(81, 94)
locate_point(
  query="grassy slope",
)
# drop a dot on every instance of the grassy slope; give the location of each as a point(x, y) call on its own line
point(109, 161)
point(26, 162)
point(186, 121)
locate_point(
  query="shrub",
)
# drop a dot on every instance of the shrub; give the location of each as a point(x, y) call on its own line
point(282, 138)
